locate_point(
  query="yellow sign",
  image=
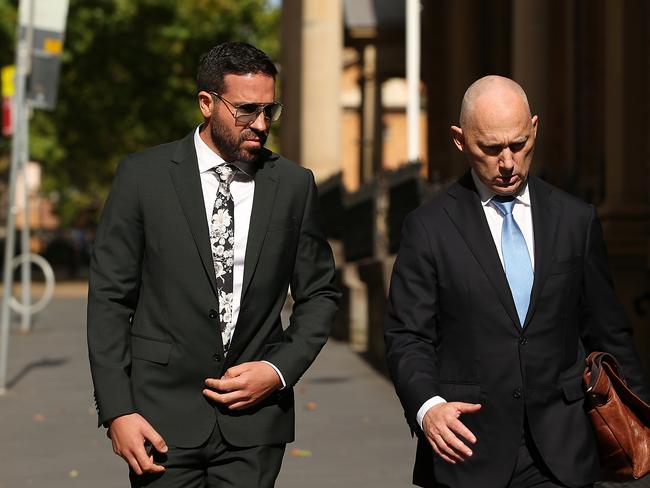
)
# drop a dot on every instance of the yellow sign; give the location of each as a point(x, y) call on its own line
point(52, 45)
point(8, 76)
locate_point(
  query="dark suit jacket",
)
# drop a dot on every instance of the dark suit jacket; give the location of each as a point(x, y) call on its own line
point(452, 330)
point(152, 334)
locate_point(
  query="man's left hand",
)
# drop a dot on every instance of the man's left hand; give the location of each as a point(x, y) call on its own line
point(244, 385)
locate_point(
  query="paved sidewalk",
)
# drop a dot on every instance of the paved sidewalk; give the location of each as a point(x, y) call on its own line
point(350, 429)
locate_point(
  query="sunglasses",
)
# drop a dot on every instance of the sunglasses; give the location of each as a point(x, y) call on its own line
point(247, 113)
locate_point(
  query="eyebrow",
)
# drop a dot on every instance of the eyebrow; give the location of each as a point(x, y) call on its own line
point(519, 140)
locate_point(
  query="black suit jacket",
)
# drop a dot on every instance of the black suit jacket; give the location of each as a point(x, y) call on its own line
point(153, 337)
point(452, 330)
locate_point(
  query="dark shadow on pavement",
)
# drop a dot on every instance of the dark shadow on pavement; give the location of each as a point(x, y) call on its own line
point(42, 363)
point(328, 380)
point(379, 366)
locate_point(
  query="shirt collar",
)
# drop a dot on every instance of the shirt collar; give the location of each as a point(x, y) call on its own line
point(207, 158)
point(485, 194)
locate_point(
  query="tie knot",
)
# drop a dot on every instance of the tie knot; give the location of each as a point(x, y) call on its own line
point(226, 172)
point(504, 203)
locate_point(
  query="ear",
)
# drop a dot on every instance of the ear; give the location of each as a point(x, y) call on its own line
point(206, 104)
point(457, 137)
point(534, 122)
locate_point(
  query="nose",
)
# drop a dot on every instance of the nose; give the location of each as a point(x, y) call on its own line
point(260, 123)
point(506, 159)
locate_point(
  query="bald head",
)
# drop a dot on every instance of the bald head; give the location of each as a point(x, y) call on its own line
point(496, 133)
point(490, 96)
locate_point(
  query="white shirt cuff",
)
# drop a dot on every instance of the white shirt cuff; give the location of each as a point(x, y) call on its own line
point(431, 402)
point(284, 383)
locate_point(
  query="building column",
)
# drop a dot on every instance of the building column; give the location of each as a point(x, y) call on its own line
point(625, 211)
point(451, 61)
point(312, 46)
point(370, 115)
point(530, 67)
point(290, 73)
point(586, 178)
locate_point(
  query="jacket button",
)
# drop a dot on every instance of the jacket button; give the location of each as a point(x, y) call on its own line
point(216, 357)
point(213, 313)
point(523, 341)
point(516, 393)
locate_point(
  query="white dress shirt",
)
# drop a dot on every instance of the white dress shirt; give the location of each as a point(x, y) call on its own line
point(522, 215)
point(520, 212)
point(242, 190)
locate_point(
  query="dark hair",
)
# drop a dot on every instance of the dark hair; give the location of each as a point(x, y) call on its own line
point(238, 58)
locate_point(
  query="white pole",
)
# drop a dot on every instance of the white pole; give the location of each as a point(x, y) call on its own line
point(26, 269)
point(16, 148)
point(413, 78)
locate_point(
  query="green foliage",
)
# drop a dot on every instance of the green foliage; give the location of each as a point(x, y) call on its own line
point(7, 31)
point(128, 82)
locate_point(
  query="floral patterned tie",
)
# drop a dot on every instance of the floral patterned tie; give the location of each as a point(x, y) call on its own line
point(222, 240)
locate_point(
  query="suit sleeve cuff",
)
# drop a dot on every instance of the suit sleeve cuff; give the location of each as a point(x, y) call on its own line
point(284, 383)
point(431, 402)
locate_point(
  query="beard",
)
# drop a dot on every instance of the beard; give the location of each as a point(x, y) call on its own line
point(229, 145)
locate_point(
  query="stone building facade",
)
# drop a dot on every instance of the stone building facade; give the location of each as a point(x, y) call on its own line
point(585, 65)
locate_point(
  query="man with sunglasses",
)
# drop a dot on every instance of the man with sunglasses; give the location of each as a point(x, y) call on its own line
point(198, 244)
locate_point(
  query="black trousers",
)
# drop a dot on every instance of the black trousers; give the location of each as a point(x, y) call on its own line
point(530, 470)
point(215, 464)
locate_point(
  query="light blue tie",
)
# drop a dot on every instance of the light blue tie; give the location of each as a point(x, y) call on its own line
point(516, 259)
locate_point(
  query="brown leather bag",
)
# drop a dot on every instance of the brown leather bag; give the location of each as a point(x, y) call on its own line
point(621, 419)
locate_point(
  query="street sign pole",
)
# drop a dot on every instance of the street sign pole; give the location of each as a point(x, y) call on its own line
point(26, 268)
point(18, 149)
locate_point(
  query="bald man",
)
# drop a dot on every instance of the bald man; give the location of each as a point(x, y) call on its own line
point(499, 291)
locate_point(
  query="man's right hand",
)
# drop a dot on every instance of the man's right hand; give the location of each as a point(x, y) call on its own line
point(441, 425)
point(129, 434)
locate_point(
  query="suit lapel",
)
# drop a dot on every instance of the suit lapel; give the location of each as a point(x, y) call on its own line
point(187, 182)
point(546, 215)
point(263, 200)
point(467, 214)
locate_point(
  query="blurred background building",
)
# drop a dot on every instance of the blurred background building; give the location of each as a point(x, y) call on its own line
point(585, 66)
point(127, 82)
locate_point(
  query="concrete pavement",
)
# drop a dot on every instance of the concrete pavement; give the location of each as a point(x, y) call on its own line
point(350, 428)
